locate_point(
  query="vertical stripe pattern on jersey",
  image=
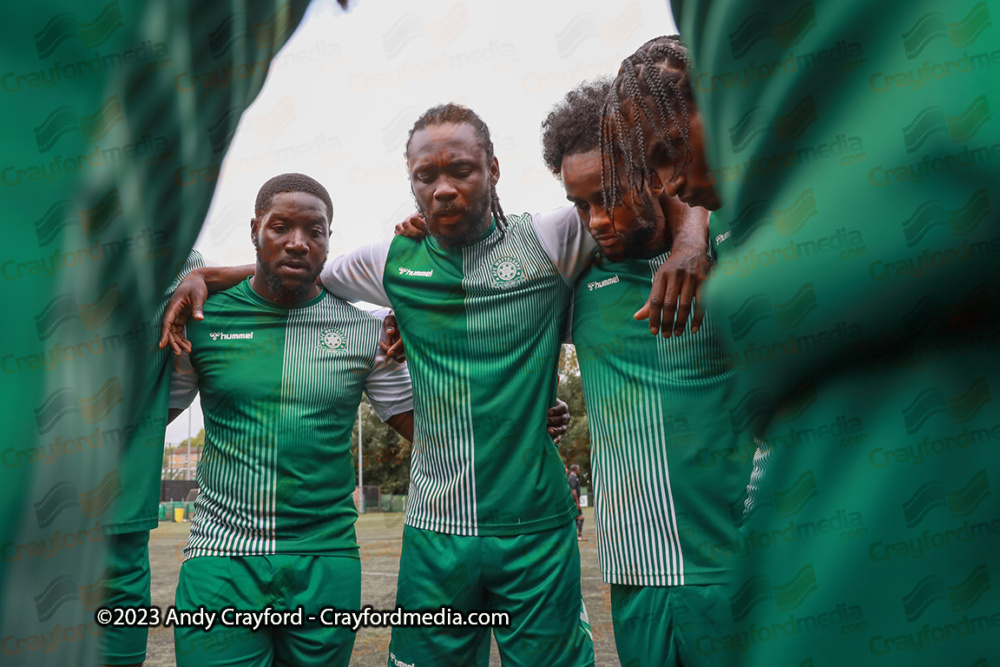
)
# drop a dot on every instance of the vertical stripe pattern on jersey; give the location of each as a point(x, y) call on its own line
point(646, 402)
point(234, 510)
point(442, 474)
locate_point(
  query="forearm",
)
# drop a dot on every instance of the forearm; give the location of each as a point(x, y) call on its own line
point(688, 226)
point(220, 278)
point(402, 424)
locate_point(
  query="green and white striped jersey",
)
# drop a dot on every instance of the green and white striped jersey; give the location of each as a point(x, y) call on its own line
point(280, 390)
point(482, 325)
point(669, 473)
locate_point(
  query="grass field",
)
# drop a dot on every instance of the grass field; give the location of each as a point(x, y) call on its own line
point(380, 536)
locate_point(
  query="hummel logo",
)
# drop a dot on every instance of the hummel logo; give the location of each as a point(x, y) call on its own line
point(403, 271)
point(602, 283)
point(235, 336)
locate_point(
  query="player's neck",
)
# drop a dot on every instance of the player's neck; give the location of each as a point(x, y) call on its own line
point(659, 243)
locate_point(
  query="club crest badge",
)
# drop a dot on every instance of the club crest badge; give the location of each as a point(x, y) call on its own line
point(332, 339)
point(507, 272)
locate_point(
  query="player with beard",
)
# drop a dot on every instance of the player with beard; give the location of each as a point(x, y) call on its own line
point(667, 468)
point(281, 366)
point(481, 303)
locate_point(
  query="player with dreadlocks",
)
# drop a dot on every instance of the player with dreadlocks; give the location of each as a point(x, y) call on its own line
point(659, 497)
point(904, 479)
point(651, 120)
point(651, 116)
point(454, 114)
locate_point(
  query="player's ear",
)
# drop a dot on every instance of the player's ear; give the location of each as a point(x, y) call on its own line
point(495, 171)
point(254, 230)
point(655, 184)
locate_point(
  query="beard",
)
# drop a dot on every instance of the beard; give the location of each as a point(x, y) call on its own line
point(293, 290)
point(642, 232)
point(475, 220)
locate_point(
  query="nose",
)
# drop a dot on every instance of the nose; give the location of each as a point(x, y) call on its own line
point(444, 189)
point(599, 221)
point(297, 241)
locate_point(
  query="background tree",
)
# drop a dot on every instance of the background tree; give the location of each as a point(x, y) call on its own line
point(386, 454)
point(575, 445)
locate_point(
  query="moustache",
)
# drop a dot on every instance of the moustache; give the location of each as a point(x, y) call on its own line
point(449, 209)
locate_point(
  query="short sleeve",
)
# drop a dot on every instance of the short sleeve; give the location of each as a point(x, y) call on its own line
point(183, 383)
point(566, 241)
point(388, 386)
point(357, 276)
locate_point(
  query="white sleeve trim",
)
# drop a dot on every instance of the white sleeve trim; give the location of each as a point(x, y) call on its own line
point(566, 241)
point(388, 386)
point(357, 276)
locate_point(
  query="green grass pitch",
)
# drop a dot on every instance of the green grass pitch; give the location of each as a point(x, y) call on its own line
point(380, 537)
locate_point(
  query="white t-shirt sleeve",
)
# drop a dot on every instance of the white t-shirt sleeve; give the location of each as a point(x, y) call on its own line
point(357, 276)
point(388, 385)
point(565, 240)
point(183, 383)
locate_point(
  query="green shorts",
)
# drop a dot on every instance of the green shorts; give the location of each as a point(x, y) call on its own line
point(127, 585)
point(533, 577)
point(661, 626)
point(281, 582)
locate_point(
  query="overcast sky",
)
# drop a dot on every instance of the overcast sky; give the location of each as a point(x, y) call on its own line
point(343, 93)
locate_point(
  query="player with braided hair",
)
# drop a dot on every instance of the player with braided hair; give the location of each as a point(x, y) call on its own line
point(482, 311)
point(651, 117)
point(660, 499)
point(650, 125)
point(455, 114)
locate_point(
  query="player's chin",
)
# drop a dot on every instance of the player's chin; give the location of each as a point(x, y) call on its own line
point(613, 252)
point(298, 283)
point(707, 199)
point(457, 232)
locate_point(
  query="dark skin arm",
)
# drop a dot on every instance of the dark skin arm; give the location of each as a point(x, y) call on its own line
point(679, 280)
point(402, 424)
point(189, 297)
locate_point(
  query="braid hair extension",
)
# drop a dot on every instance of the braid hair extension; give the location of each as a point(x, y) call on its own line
point(615, 152)
point(657, 71)
point(456, 114)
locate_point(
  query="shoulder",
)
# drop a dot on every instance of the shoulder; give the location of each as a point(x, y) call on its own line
point(232, 299)
point(334, 306)
point(562, 217)
point(519, 219)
